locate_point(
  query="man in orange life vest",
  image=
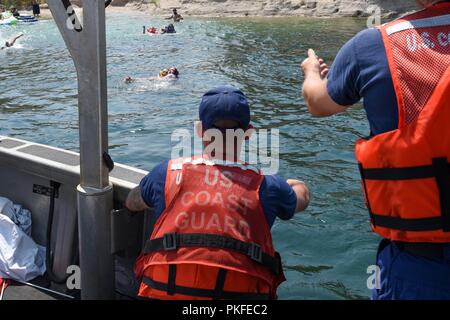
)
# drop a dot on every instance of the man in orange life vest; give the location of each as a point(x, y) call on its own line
point(402, 70)
point(212, 237)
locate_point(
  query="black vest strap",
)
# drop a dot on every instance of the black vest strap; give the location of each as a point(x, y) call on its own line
point(172, 241)
point(363, 178)
point(442, 173)
point(172, 279)
point(440, 170)
point(405, 173)
point(426, 224)
point(206, 293)
point(220, 282)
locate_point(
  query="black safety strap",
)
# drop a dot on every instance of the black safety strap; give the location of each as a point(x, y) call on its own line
point(442, 174)
point(206, 293)
point(172, 279)
point(396, 223)
point(363, 178)
point(440, 170)
point(172, 241)
point(405, 173)
point(220, 282)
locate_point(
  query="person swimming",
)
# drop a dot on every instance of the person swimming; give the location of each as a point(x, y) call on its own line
point(14, 11)
point(11, 43)
point(172, 73)
point(175, 16)
point(169, 29)
point(164, 74)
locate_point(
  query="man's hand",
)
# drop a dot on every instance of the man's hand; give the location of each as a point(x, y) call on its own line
point(315, 90)
point(323, 68)
point(135, 202)
point(314, 67)
point(302, 193)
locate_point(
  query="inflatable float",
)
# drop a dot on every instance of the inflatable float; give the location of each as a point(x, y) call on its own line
point(11, 21)
point(27, 19)
point(8, 21)
point(153, 30)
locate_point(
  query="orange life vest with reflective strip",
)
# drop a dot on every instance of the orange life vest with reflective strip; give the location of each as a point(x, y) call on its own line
point(406, 172)
point(213, 240)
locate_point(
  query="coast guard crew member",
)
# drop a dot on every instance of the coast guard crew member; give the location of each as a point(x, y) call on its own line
point(212, 239)
point(402, 71)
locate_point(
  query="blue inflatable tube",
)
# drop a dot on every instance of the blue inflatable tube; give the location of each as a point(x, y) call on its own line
point(27, 19)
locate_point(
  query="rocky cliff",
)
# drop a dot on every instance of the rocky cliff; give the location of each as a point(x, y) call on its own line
point(317, 8)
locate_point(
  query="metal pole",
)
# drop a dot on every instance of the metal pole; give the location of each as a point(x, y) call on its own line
point(87, 46)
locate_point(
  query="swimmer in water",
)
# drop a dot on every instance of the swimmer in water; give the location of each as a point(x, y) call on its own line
point(11, 43)
point(175, 16)
point(172, 73)
point(168, 29)
point(164, 74)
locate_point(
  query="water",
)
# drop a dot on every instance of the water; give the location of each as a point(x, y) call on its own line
point(326, 250)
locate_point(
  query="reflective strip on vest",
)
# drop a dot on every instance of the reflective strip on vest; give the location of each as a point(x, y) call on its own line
point(214, 162)
point(419, 23)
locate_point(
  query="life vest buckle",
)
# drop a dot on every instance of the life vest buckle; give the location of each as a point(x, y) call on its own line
point(255, 252)
point(170, 241)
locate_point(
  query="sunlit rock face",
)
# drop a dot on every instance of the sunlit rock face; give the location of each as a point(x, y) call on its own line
point(315, 8)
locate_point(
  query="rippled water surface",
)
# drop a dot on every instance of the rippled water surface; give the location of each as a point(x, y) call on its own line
point(326, 251)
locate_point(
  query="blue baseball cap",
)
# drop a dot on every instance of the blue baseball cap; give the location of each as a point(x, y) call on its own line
point(224, 103)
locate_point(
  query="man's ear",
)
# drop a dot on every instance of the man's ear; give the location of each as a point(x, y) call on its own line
point(199, 129)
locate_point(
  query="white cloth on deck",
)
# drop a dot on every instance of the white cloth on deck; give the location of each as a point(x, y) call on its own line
point(18, 215)
point(20, 257)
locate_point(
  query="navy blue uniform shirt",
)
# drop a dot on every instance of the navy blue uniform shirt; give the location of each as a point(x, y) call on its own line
point(361, 70)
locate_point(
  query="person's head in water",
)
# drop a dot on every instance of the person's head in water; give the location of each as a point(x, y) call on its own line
point(174, 71)
point(163, 72)
point(175, 11)
point(223, 111)
point(169, 29)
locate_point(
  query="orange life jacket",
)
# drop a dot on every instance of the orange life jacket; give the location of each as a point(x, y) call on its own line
point(406, 172)
point(213, 240)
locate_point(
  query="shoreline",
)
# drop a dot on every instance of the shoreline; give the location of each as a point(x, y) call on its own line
point(158, 12)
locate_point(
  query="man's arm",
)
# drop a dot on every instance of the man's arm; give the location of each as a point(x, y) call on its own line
point(302, 193)
point(315, 91)
point(15, 39)
point(134, 201)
